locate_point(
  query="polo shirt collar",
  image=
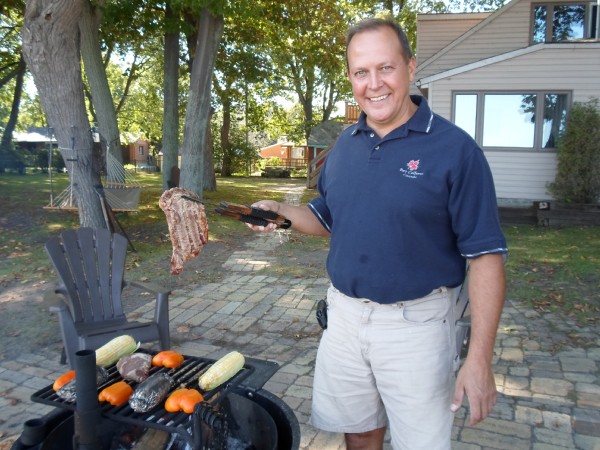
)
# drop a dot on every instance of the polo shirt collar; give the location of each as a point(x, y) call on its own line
point(421, 120)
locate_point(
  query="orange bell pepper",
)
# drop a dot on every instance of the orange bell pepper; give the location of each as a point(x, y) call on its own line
point(116, 394)
point(168, 358)
point(183, 400)
point(190, 400)
point(63, 379)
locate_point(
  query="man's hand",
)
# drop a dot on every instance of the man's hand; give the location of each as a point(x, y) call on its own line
point(486, 295)
point(478, 383)
point(267, 205)
point(303, 220)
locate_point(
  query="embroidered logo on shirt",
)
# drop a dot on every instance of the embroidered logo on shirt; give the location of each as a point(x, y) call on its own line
point(412, 165)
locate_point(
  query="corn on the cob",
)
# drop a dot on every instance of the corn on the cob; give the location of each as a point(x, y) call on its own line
point(221, 371)
point(114, 349)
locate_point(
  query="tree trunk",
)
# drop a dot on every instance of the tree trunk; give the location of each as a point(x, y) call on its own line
point(102, 100)
point(389, 6)
point(210, 179)
point(305, 92)
point(131, 74)
point(226, 169)
point(170, 141)
point(51, 50)
point(329, 101)
point(6, 143)
point(197, 118)
point(308, 104)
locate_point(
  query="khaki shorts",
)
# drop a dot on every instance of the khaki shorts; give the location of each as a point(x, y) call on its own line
point(388, 363)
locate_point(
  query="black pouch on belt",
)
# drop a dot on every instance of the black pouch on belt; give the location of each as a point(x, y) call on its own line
point(322, 313)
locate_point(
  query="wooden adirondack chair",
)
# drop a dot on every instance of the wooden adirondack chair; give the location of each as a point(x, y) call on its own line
point(91, 266)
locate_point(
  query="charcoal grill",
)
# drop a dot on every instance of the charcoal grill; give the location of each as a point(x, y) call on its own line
point(240, 407)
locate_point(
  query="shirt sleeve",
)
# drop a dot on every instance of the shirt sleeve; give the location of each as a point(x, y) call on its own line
point(474, 210)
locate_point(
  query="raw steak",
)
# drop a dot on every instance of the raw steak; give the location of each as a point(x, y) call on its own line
point(187, 225)
point(135, 367)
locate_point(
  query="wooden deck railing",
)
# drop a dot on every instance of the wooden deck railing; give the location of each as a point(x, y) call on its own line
point(314, 169)
point(295, 163)
point(352, 113)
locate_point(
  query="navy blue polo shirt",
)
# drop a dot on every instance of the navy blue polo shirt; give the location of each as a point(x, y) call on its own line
point(404, 211)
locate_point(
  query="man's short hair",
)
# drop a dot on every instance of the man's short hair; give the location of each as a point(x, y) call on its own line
point(375, 24)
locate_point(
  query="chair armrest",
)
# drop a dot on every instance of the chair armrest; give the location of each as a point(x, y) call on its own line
point(149, 287)
point(161, 308)
point(56, 300)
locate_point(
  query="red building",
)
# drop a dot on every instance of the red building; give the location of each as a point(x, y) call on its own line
point(290, 154)
point(139, 154)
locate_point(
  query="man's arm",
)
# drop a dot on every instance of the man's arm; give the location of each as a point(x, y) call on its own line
point(302, 218)
point(486, 295)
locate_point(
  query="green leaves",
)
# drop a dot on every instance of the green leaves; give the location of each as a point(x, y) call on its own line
point(578, 176)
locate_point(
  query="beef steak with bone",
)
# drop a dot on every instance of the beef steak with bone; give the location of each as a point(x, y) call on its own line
point(188, 227)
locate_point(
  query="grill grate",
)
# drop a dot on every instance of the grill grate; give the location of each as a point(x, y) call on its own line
point(187, 425)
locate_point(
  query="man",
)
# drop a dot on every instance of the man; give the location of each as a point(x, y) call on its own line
point(407, 199)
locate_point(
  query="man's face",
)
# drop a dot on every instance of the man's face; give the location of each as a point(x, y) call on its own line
point(380, 78)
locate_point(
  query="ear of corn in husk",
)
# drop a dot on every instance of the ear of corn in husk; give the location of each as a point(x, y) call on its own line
point(115, 349)
point(221, 371)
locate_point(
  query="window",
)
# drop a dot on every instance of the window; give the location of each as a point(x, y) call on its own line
point(512, 120)
point(555, 119)
point(508, 120)
point(465, 112)
point(556, 22)
point(141, 150)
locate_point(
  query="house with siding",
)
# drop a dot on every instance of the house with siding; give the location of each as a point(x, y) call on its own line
point(290, 154)
point(139, 154)
point(509, 78)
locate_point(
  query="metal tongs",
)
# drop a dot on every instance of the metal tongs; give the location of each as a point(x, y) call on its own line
point(253, 216)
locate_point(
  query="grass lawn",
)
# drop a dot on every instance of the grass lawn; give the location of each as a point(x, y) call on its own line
point(25, 224)
point(554, 270)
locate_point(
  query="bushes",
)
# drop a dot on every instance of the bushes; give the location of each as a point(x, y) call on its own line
point(578, 176)
point(275, 172)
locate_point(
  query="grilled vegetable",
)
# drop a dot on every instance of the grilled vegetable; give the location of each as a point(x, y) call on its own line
point(115, 349)
point(168, 358)
point(116, 394)
point(172, 402)
point(221, 371)
point(63, 379)
point(183, 400)
point(151, 392)
point(68, 391)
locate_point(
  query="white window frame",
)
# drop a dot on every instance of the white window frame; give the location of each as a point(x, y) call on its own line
point(539, 118)
point(590, 26)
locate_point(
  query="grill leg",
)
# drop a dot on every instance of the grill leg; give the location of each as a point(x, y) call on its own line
point(63, 356)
